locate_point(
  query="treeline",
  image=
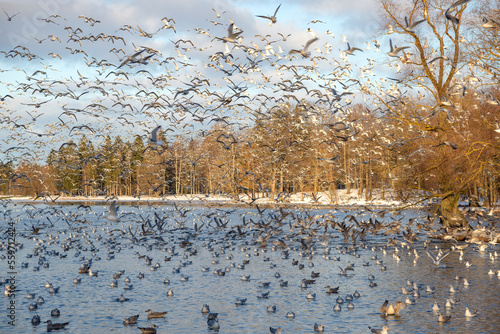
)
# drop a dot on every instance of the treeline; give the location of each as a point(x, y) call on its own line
point(289, 149)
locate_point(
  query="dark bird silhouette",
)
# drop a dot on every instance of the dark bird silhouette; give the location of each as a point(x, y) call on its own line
point(450, 9)
point(10, 17)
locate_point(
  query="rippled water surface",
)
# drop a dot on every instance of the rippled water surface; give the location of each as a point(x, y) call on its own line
point(91, 306)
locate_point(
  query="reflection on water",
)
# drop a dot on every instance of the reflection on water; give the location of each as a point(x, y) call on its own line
point(91, 306)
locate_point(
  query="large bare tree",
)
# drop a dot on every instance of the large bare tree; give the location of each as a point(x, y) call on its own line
point(432, 95)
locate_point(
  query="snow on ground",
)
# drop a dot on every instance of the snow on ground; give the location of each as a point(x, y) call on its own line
point(340, 197)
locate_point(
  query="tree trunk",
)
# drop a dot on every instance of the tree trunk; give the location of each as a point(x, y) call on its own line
point(451, 215)
point(346, 171)
point(281, 187)
point(273, 182)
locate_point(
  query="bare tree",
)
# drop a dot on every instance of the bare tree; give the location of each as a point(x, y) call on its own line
point(427, 97)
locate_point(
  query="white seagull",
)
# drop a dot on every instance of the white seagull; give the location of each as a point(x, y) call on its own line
point(113, 211)
point(154, 136)
point(437, 258)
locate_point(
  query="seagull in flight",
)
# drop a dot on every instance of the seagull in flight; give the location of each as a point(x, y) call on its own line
point(113, 213)
point(457, 4)
point(231, 35)
point(330, 160)
point(437, 258)
point(490, 24)
point(410, 28)
point(304, 52)
point(154, 136)
point(394, 51)
point(350, 51)
point(272, 19)
point(9, 18)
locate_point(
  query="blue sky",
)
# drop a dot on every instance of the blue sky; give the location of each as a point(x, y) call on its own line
point(44, 28)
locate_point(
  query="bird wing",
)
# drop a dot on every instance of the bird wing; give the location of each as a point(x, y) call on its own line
point(383, 308)
point(276, 11)
point(434, 259)
point(113, 209)
point(458, 4)
point(450, 17)
point(309, 42)
point(401, 48)
point(264, 17)
point(443, 256)
point(399, 306)
point(416, 23)
point(154, 133)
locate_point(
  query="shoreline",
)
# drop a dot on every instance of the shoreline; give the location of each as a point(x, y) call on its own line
point(293, 201)
point(305, 200)
point(209, 200)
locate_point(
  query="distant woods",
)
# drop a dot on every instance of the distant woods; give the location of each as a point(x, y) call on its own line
point(289, 149)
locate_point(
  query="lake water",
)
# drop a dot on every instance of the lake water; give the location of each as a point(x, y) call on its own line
point(81, 233)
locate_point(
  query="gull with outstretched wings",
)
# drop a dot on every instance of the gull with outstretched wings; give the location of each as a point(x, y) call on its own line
point(437, 258)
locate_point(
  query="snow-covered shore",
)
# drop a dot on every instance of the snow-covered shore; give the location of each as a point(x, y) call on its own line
point(341, 198)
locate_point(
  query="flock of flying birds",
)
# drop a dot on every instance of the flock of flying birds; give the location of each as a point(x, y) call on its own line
point(142, 89)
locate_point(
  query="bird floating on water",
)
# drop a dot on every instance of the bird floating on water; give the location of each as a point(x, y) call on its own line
point(277, 330)
point(319, 328)
point(443, 318)
point(384, 330)
point(148, 330)
point(56, 326)
point(469, 313)
point(205, 309)
point(155, 315)
point(132, 320)
point(390, 309)
point(35, 321)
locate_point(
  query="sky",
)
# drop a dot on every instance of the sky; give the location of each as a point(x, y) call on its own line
point(357, 19)
point(42, 30)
